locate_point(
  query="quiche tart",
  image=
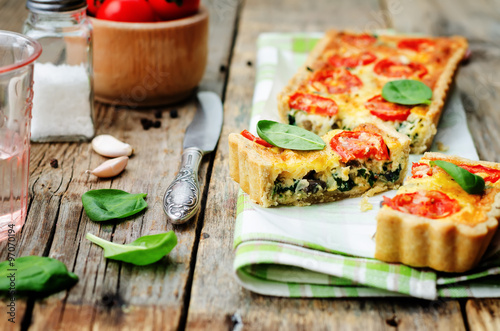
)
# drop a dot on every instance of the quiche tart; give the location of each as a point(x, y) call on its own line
point(369, 158)
point(433, 222)
point(341, 82)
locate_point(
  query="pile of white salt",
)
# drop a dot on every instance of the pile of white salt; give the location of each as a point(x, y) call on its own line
point(61, 103)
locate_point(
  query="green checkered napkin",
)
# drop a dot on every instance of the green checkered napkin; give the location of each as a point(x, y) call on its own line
point(327, 250)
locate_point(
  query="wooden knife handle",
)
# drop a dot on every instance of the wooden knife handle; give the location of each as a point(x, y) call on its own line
point(182, 198)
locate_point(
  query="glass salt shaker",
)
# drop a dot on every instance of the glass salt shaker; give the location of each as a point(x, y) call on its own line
point(63, 103)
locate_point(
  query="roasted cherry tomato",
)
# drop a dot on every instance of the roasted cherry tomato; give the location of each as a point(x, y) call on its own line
point(417, 44)
point(258, 140)
point(359, 40)
point(352, 61)
point(313, 104)
point(126, 11)
point(93, 6)
point(170, 10)
point(430, 204)
point(352, 145)
point(491, 175)
point(336, 81)
point(386, 110)
point(419, 170)
point(391, 68)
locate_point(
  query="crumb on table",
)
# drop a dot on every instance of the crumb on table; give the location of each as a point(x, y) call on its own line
point(365, 205)
point(442, 147)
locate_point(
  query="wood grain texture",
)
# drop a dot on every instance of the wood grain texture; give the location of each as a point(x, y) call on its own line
point(112, 295)
point(114, 291)
point(483, 314)
point(221, 36)
point(13, 13)
point(217, 301)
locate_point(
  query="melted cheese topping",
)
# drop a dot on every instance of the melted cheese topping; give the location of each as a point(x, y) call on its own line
point(352, 112)
point(473, 207)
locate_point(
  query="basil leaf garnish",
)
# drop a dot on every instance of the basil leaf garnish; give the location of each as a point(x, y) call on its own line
point(289, 136)
point(407, 92)
point(471, 183)
point(107, 204)
point(144, 250)
point(35, 274)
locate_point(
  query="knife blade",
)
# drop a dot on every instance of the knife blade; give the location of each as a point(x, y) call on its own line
point(182, 197)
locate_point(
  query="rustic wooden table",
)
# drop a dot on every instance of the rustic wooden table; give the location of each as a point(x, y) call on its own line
point(194, 288)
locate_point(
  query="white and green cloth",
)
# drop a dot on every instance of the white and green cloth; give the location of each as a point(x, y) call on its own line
point(327, 250)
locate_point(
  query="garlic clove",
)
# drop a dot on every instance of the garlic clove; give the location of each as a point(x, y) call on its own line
point(109, 146)
point(110, 168)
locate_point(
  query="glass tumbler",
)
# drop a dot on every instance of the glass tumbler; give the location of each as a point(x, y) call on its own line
point(17, 54)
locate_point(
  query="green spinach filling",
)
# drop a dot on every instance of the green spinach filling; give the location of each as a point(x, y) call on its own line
point(410, 129)
point(314, 184)
point(386, 175)
point(280, 188)
point(344, 186)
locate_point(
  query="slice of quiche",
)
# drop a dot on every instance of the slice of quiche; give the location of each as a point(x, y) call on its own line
point(433, 222)
point(369, 158)
point(341, 83)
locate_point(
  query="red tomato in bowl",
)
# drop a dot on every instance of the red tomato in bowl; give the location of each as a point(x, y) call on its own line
point(174, 9)
point(126, 11)
point(93, 6)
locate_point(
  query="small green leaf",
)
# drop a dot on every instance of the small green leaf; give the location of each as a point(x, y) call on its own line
point(107, 204)
point(289, 136)
point(35, 274)
point(471, 183)
point(407, 92)
point(144, 250)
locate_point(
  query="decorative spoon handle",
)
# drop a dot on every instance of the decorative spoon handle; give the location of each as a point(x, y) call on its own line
point(182, 198)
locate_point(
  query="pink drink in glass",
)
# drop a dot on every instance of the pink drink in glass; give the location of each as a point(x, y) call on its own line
point(17, 54)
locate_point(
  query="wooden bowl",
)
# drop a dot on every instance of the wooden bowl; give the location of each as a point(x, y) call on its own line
point(149, 64)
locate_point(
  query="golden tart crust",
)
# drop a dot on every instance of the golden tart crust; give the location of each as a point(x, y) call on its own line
point(262, 171)
point(421, 124)
point(452, 244)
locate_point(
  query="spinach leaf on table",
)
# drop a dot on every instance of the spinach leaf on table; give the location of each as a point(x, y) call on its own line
point(289, 136)
point(35, 274)
point(107, 204)
point(144, 250)
point(407, 92)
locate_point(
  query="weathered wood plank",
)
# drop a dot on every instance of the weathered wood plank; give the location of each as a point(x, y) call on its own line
point(483, 314)
point(477, 20)
point(45, 192)
point(112, 295)
point(217, 301)
point(222, 20)
point(112, 290)
point(13, 13)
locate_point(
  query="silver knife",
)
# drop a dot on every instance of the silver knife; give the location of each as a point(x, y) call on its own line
point(182, 198)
